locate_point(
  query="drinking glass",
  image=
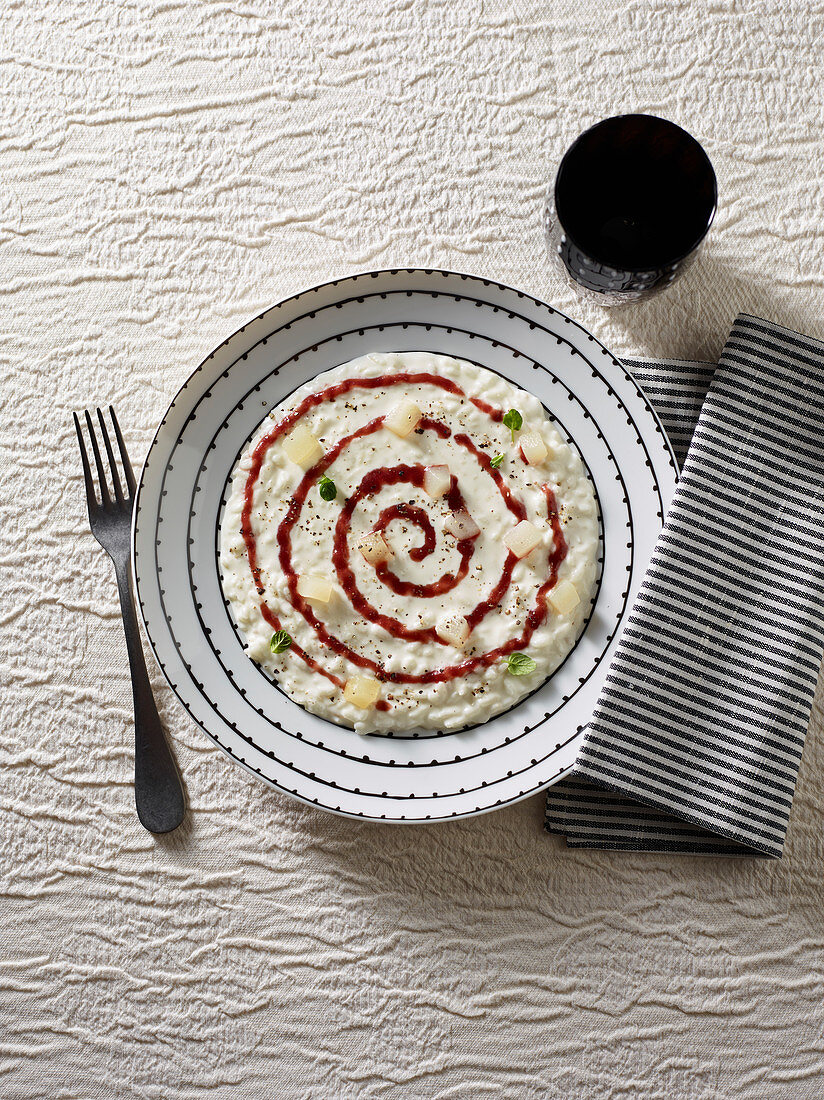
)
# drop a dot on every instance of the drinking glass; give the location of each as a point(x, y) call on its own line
point(633, 199)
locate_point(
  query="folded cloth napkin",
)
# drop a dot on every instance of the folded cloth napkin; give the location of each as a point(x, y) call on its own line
point(696, 738)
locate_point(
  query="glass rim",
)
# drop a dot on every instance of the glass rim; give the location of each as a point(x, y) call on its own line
point(713, 208)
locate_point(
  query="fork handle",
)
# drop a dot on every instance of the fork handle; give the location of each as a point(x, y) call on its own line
point(158, 793)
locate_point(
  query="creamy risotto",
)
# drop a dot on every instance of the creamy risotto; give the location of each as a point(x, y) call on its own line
point(409, 543)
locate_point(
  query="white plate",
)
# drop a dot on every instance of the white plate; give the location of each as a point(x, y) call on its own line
point(417, 776)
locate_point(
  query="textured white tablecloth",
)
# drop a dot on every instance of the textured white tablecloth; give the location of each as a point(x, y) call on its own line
point(166, 170)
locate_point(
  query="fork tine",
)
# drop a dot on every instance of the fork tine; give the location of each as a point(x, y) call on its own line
point(101, 473)
point(87, 473)
point(124, 455)
point(118, 492)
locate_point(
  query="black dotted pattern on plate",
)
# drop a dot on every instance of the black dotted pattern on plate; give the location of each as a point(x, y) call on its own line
point(415, 735)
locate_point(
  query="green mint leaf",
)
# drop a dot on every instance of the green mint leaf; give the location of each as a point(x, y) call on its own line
point(513, 420)
point(280, 642)
point(327, 488)
point(520, 664)
point(496, 461)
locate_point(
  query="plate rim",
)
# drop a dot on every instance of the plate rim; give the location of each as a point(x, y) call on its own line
point(352, 277)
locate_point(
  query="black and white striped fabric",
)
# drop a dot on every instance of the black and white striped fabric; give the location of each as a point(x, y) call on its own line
point(696, 739)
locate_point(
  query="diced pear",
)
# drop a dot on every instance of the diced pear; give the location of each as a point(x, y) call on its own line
point(461, 525)
point(315, 588)
point(436, 480)
point(362, 691)
point(374, 547)
point(523, 538)
point(453, 628)
point(302, 447)
point(564, 597)
point(533, 447)
point(403, 419)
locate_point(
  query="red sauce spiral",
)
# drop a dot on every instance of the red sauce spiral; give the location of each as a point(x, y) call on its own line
point(416, 517)
point(372, 482)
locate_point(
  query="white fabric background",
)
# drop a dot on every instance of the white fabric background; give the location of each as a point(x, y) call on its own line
point(167, 170)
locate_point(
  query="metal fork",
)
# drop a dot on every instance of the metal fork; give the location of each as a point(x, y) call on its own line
point(158, 793)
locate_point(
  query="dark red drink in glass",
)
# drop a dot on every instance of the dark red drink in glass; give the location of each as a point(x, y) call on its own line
point(633, 199)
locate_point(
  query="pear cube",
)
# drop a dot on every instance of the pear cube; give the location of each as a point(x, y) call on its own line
point(461, 525)
point(522, 539)
point(302, 447)
point(315, 588)
point(564, 597)
point(374, 547)
point(361, 691)
point(403, 419)
point(533, 448)
point(436, 480)
point(453, 629)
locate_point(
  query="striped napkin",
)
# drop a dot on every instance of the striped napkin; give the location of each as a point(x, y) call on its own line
point(695, 741)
